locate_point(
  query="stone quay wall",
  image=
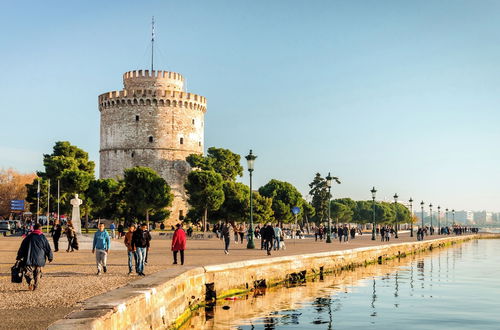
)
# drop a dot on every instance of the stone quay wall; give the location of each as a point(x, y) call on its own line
point(167, 298)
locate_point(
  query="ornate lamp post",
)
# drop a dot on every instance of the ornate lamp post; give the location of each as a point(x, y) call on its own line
point(396, 207)
point(453, 215)
point(446, 218)
point(439, 220)
point(411, 216)
point(422, 206)
point(329, 184)
point(250, 161)
point(374, 192)
point(431, 229)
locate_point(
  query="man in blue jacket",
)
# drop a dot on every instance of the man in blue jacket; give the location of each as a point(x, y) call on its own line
point(101, 248)
point(33, 252)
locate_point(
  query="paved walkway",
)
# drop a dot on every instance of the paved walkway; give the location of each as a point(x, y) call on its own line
point(71, 278)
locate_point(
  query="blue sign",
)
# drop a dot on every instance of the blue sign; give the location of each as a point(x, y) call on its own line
point(295, 210)
point(17, 205)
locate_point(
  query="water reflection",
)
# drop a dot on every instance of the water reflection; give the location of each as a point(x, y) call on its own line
point(417, 288)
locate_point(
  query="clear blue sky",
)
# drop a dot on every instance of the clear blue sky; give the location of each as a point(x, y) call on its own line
point(401, 95)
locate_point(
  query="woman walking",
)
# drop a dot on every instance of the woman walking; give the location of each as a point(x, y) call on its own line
point(179, 243)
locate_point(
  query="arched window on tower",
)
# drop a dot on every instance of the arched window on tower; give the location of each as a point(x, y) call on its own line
point(150, 139)
point(182, 141)
point(136, 118)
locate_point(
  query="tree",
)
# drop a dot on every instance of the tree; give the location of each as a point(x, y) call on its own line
point(236, 202)
point(70, 165)
point(105, 198)
point(262, 209)
point(320, 197)
point(308, 212)
point(219, 160)
point(284, 196)
point(146, 193)
point(12, 187)
point(341, 212)
point(205, 192)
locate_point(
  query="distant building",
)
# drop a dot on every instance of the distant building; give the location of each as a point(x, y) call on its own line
point(483, 217)
point(464, 217)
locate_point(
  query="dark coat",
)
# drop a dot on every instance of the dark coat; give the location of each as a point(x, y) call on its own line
point(34, 250)
point(140, 239)
point(267, 233)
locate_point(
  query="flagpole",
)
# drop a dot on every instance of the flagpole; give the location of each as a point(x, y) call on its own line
point(58, 196)
point(48, 206)
point(38, 201)
point(152, 42)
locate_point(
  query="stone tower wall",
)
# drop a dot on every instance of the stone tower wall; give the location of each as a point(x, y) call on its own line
point(153, 123)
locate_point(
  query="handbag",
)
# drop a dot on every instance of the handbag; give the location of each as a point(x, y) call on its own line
point(17, 272)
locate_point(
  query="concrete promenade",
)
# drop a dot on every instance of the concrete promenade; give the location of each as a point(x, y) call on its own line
point(71, 278)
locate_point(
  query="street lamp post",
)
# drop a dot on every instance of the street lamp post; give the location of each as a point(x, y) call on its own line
point(250, 161)
point(411, 216)
point(446, 225)
point(374, 192)
point(453, 216)
point(431, 229)
point(439, 220)
point(329, 184)
point(422, 206)
point(396, 207)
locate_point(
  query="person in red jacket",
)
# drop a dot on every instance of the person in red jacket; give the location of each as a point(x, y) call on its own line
point(179, 243)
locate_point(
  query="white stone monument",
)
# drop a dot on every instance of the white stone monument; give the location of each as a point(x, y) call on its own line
point(75, 214)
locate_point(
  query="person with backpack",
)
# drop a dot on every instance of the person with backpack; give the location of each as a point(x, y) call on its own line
point(33, 253)
point(141, 243)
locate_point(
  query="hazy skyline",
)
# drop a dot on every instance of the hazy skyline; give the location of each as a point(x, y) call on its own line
point(398, 95)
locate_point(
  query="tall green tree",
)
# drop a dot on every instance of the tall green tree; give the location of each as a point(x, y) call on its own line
point(222, 161)
point(205, 192)
point(105, 197)
point(284, 196)
point(70, 165)
point(320, 197)
point(236, 202)
point(146, 193)
point(262, 209)
point(341, 212)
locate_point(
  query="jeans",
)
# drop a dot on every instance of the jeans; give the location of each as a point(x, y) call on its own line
point(100, 259)
point(140, 254)
point(276, 243)
point(131, 255)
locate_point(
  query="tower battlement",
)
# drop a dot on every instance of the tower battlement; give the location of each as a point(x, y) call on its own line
point(156, 79)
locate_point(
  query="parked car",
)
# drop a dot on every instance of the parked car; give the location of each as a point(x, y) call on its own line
point(4, 227)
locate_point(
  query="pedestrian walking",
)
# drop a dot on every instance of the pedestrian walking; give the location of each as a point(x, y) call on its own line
point(267, 234)
point(71, 236)
point(33, 253)
point(241, 231)
point(179, 243)
point(277, 237)
point(120, 230)
point(100, 247)
point(112, 227)
point(130, 249)
point(56, 235)
point(226, 232)
point(140, 243)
